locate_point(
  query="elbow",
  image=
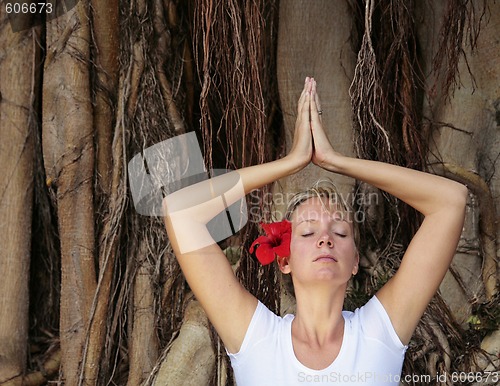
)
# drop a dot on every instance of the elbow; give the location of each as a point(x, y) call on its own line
point(164, 207)
point(462, 193)
point(458, 196)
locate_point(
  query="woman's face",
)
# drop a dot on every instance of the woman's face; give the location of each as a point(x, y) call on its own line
point(322, 245)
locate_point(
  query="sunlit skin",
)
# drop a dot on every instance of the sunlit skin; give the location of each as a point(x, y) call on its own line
point(320, 284)
point(322, 249)
point(323, 257)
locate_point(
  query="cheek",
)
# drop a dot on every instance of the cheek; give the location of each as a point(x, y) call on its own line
point(293, 246)
point(297, 246)
point(350, 248)
point(353, 251)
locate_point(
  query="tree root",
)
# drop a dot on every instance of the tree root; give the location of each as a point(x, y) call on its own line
point(48, 369)
point(191, 359)
point(487, 226)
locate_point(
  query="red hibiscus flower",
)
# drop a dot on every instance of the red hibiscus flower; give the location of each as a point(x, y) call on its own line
point(275, 242)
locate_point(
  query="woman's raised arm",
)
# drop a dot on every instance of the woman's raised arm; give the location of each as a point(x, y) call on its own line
point(228, 305)
point(431, 250)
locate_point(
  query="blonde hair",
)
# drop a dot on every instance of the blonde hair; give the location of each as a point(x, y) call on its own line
point(324, 189)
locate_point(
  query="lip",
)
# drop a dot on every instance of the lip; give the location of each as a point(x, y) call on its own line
point(325, 258)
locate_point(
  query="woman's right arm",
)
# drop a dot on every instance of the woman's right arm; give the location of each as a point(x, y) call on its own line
point(228, 304)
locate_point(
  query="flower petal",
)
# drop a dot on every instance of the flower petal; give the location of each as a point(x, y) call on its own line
point(283, 249)
point(276, 229)
point(276, 241)
point(265, 254)
point(258, 241)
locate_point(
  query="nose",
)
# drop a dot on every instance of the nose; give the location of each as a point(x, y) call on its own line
point(325, 240)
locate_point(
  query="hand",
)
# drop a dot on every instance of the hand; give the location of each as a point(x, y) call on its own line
point(302, 147)
point(323, 152)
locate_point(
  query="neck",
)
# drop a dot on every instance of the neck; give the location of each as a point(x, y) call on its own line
point(318, 319)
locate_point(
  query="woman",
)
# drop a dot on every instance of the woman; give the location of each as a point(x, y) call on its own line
point(321, 344)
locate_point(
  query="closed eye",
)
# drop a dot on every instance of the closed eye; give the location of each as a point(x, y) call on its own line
point(307, 234)
point(341, 235)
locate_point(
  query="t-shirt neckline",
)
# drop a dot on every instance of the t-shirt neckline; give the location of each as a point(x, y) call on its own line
point(299, 363)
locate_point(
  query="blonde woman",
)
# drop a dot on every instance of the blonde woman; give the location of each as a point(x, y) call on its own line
point(321, 343)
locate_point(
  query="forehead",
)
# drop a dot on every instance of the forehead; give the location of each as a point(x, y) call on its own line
point(316, 208)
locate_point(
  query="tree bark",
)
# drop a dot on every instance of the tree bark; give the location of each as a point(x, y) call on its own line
point(109, 165)
point(106, 23)
point(309, 46)
point(143, 343)
point(68, 150)
point(17, 131)
point(465, 134)
point(87, 131)
point(49, 368)
point(191, 359)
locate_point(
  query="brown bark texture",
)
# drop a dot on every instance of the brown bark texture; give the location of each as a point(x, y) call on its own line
point(81, 94)
point(17, 131)
point(68, 150)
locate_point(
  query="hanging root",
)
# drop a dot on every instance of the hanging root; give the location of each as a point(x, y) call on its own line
point(384, 90)
point(191, 359)
point(48, 369)
point(487, 223)
point(162, 51)
point(238, 94)
point(461, 24)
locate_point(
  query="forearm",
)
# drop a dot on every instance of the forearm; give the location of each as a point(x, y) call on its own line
point(255, 177)
point(201, 202)
point(425, 192)
point(188, 210)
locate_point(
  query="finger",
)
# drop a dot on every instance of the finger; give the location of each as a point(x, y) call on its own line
point(304, 110)
point(303, 94)
point(318, 103)
point(315, 107)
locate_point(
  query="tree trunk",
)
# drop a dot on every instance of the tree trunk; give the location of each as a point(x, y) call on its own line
point(143, 342)
point(466, 137)
point(113, 329)
point(68, 151)
point(191, 359)
point(109, 169)
point(17, 133)
point(309, 46)
point(106, 23)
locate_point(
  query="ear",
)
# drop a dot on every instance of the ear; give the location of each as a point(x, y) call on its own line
point(356, 266)
point(283, 264)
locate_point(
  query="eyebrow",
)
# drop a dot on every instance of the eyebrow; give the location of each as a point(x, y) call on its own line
point(307, 220)
point(336, 218)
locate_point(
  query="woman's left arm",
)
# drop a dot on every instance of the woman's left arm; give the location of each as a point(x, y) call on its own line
point(442, 202)
point(406, 295)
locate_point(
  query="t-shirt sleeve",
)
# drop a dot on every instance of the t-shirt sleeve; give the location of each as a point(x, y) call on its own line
point(376, 324)
point(263, 324)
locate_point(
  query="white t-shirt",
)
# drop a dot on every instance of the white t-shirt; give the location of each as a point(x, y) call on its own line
point(371, 352)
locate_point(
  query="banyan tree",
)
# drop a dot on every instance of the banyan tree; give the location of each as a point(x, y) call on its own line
point(90, 292)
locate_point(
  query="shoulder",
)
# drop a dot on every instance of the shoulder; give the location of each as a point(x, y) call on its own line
point(264, 326)
point(373, 322)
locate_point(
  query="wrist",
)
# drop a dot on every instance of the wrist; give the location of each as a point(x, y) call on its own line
point(333, 162)
point(295, 164)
